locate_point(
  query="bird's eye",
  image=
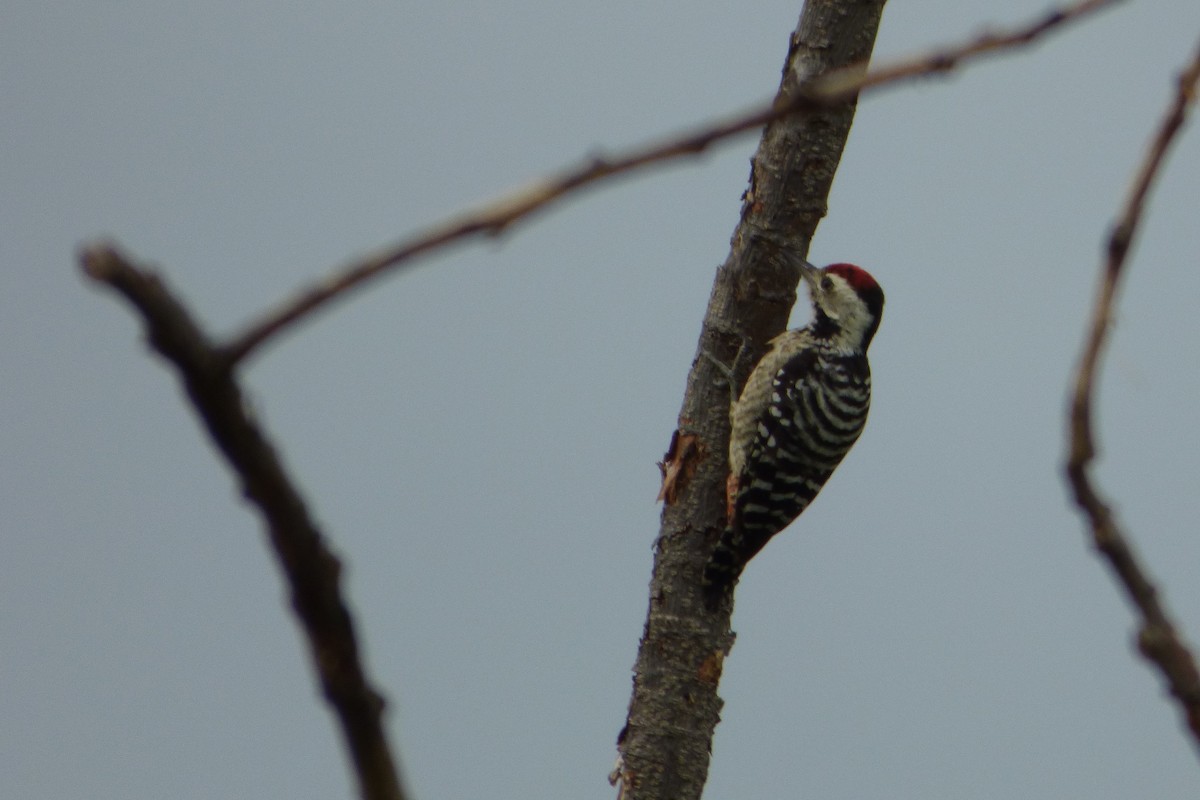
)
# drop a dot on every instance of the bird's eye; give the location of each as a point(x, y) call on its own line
point(827, 283)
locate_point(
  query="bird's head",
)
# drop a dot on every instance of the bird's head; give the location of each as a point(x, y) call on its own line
point(847, 301)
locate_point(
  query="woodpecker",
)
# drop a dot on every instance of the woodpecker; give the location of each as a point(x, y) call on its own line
point(802, 408)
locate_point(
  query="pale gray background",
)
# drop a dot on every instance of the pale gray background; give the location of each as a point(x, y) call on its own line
point(479, 435)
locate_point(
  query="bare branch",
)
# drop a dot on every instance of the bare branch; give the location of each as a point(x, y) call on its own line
point(313, 572)
point(491, 219)
point(846, 82)
point(494, 218)
point(1158, 639)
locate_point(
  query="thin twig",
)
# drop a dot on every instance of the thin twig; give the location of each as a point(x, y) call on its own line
point(494, 218)
point(1158, 639)
point(312, 571)
point(491, 219)
point(847, 82)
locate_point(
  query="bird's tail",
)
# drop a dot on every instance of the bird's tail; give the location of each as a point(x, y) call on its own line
point(722, 571)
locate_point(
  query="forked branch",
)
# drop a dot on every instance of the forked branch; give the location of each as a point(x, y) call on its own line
point(313, 572)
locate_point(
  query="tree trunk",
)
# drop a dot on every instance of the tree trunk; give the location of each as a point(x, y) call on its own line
point(674, 709)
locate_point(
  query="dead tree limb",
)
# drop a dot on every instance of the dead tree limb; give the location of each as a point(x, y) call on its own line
point(665, 745)
point(1158, 639)
point(312, 571)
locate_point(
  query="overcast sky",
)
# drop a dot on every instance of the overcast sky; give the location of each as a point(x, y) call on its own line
point(479, 435)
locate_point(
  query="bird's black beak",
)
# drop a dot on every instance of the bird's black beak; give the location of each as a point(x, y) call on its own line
point(810, 274)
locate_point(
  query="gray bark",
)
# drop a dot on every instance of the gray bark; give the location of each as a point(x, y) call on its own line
point(675, 708)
